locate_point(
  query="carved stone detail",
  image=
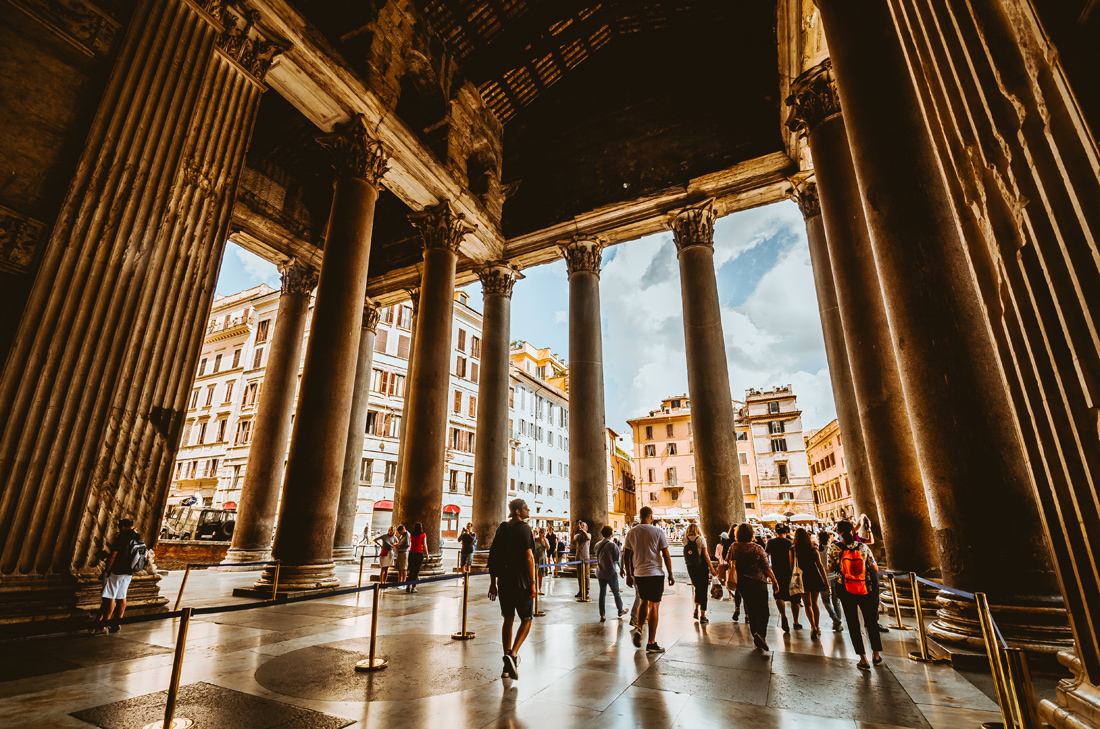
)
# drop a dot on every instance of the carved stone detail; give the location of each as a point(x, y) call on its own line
point(693, 226)
point(441, 227)
point(79, 22)
point(19, 236)
point(813, 98)
point(498, 278)
point(372, 314)
point(805, 194)
point(298, 278)
point(414, 297)
point(354, 152)
point(583, 254)
point(254, 49)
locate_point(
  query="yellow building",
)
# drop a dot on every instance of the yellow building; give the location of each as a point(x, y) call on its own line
point(825, 454)
point(622, 495)
point(541, 363)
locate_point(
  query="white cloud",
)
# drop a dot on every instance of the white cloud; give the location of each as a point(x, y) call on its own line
point(257, 268)
point(561, 317)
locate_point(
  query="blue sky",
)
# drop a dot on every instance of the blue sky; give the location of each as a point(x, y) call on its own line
point(769, 313)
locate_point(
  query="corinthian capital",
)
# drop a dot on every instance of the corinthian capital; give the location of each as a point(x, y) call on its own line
point(354, 152)
point(813, 98)
point(805, 194)
point(372, 313)
point(693, 226)
point(298, 278)
point(441, 227)
point(583, 254)
point(498, 278)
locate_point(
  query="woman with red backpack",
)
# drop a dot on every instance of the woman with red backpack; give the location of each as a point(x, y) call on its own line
point(853, 562)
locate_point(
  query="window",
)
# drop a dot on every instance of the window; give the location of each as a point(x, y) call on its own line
point(773, 407)
point(649, 432)
point(672, 449)
point(512, 485)
point(473, 372)
point(458, 401)
point(469, 482)
point(405, 317)
point(744, 458)
point(538, 490)
point(202, 367)
point(390, 476)
point(381, 339)
point(454, 482)
point(670, 476)
point(689, 428)
point(542, 464)
point(258, 358)
point(669, 430)
point(236, 358)
point(652, 495)
point(513, 458)
point(550, 492)
point(262, 331)
point(229, 392)
point(475, 347)
point(746, 484)
point(186, 440)
point(742, 435)
point(386, 317)
point(202, 434)
point(248, 398)
point(783, 479)
point(194, 398)
point(403, 344)
point(511, 397)
point(366, 470)
point(235, 483)
point(749, 506)
point(786, 495)
point(652, 475)
point(460, 367)
point(244, 433)
point(473, 405)
point(775, 427)
point(693, 474)
point(650, 450)
point(779, 445)
point(209, 395)
point(461, 340)
point(221, 429)
point(217, 362)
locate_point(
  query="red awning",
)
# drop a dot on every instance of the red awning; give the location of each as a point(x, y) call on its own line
point(383, 505)
point(450, 509)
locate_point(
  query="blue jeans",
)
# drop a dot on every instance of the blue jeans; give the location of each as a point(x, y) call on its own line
point(613, 583)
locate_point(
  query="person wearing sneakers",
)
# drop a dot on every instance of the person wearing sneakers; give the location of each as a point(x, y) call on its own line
point(608, 570)
point(512, 579)
point(643, 551)
point(853, 562)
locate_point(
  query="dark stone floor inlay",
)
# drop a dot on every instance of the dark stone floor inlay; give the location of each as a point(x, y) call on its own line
point(210, 706)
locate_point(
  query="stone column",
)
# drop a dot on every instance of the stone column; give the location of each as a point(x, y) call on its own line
point(490, 497)
point(717, 468)
point(587, 429)
point(266, 456)
point(414, 297)
point(311, 490)
point(983, 509)
point(891, 451)
point(343, 548)
point(836, 352)
point(420, 498)
point(93, 391)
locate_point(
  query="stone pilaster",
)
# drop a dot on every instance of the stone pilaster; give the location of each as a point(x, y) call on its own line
point(314, 471)
point(587, 429)
point(717, 470)
point(266, 455)
point(420, 497)
point(490, 497)
point(343, 548)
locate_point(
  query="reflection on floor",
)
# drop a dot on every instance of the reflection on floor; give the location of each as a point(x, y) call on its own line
point(292, 665)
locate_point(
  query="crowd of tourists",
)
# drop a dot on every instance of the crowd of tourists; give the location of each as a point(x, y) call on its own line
point(804, 568)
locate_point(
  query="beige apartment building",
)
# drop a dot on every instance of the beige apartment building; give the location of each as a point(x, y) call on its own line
point(664, 462)
point(829, 473)
point(774, 423)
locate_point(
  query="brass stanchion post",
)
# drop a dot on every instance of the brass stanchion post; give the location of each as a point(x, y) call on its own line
point(275, 587)
point(993, 651)
point(464, 634)
point(582, 574)
point(925, 656)
point(897, 605)
point(372, 663)
point(1021, 690)
point(183, 584)
point(170, 721)
point(362, 557)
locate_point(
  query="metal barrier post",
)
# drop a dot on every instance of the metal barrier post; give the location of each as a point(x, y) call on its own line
point(536, 612)
point(183, 584)
point(170, 721)
point(993, 651)
point(582, 573)
point(925, 656)
point(465, 634)
point(372, 663)
point(1021, 690)
point(362, 558)
point(897, 605)
point(275, 587)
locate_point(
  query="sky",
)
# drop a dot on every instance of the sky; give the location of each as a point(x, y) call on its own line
point(770, 319)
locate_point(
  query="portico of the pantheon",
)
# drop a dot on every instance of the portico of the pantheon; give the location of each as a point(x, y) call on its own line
point(944, 155)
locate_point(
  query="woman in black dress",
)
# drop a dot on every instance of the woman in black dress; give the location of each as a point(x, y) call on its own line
point(779, 551)
point(805, 556)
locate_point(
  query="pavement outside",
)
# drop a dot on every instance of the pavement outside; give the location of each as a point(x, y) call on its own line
point(292, 665)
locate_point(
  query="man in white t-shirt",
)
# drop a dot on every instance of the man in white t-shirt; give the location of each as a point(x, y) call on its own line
point(643, 552)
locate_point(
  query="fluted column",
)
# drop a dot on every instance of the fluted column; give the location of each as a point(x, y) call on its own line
point(970, 457)
point(587, 429)
point(836, 353)
point(490, 497)
point(93, 392)
point(420, 498)
point(717, 468)
point(891, 450)
point(311, 490)
point(266, 456)
point(343, 547)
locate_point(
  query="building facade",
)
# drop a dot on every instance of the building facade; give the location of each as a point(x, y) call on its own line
point(829, 474)
point(622, 495)
point(538, 459)
point(775, 428)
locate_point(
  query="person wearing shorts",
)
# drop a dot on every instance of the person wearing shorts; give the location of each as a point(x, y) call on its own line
point(512, 580)
point(116, 579)
point(643, 552)
point(467, 541)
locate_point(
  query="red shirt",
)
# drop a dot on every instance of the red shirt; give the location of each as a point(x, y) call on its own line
point(417, 544)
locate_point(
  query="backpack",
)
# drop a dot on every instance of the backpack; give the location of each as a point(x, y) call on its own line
point(853, 570)
point(499, 551)
point(691, 553)
point(139, 555)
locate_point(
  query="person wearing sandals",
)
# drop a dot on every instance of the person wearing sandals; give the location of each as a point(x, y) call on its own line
point(748, 573)
point(805, 558)
point(853, 562)
point(700, 569)
point(385, 558)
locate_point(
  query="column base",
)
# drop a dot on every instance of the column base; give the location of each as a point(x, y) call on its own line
point(344, 555)
point(1077, 702)
point(235, 555)
point(300, 577)
point(433, 566)
point(1040, 627)
point(905, 600)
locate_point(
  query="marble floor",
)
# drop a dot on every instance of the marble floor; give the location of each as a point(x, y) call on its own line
point(292, 666)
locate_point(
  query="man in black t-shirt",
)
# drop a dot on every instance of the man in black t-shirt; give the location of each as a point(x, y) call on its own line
point(466, 541)
point(116, 578)
point(512, 579)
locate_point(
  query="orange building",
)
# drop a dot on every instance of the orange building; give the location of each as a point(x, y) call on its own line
point(825, 454)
